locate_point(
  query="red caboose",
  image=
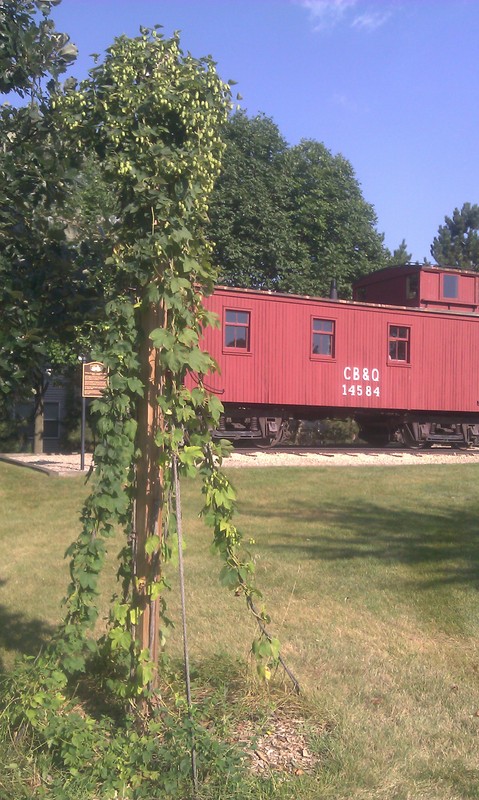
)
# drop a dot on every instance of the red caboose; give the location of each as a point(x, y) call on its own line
point(404, 373)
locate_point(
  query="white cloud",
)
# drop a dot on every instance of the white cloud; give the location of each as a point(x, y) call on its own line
point(370, 20)
point(327, 14)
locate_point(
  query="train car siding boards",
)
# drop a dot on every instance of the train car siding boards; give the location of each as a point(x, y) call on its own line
point(292, 351)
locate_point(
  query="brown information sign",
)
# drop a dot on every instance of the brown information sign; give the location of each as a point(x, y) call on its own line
point(94, 379)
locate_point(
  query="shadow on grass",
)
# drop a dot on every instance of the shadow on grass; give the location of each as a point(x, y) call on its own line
point(446, 543)
point(22, 634)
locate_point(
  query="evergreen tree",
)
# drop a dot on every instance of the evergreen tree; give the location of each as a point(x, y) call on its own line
point(457, 241)
point(400, 255)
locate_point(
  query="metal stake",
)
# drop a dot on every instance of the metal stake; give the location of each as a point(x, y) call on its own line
point(179, 528)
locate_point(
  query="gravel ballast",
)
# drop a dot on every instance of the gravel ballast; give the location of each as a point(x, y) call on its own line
point(59, 464)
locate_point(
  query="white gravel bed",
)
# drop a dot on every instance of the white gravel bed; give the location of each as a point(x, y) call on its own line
point(50, 463)
point(58, 464)
point(352, 458)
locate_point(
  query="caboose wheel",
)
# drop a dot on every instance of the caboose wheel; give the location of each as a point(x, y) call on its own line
point(275, 438)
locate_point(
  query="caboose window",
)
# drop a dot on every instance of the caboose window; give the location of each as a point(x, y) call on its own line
point(237, 325)
point(412, 285)
point(322, 343)
point(399, 342)
point(449, 286)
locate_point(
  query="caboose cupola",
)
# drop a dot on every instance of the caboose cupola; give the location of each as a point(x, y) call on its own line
point(421, 286)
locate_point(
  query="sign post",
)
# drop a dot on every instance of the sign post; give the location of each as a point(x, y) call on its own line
point(94, 383)
point(83, 425)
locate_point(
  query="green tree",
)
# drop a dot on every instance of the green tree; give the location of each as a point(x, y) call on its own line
point(331, 219)
point(254, 241)
point(400, 256)
point(31, 49)
point(457, 241)
point(289, 218)
point(35, 266)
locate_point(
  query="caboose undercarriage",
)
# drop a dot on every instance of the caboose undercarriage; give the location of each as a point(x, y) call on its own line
point(260, 426)
point(423, 430)
point(269, 425)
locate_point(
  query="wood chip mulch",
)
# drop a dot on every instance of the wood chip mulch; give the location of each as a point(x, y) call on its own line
point(280, 745)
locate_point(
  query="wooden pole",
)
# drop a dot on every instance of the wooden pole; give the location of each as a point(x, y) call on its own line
point(149, 488)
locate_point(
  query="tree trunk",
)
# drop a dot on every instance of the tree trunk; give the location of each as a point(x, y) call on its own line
point(149, 489)
point(39, 417)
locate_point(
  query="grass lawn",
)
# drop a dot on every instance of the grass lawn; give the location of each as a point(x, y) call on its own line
point(370, 576)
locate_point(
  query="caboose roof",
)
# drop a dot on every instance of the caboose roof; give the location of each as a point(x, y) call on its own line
point(290, 297)
point(407, 269)
point(423, 285)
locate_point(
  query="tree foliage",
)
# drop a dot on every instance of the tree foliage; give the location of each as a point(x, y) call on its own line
point(31, 49)
point(289, 218)
point(254, 242)
point(331, 219)
point(400, 255)
point(35, 265)
point(457, 241)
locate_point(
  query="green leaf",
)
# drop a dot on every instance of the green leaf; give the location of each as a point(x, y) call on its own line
point(135, 385)
point(199, 361)
point(152, 545)
point(120, 639)
point(162, 338)
point(135, 615)
point(190, 454)
point(189, 264)
point(181, 235)
point(156, 590)
point(120, 612)
point(88, 580)
point(215, 406)
point(177, 284)
point(264, 648)
point(228, 577)
point(275, 648)
point(188, 336)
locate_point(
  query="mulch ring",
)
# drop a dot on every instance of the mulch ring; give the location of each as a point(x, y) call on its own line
point(281, 745)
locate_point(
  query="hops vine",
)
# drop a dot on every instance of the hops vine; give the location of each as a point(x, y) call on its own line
point(152, 115)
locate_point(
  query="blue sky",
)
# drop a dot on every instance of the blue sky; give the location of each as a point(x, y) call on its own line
point(392, 85)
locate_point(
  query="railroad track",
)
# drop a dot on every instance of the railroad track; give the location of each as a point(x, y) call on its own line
point(357, 450)
point(355, 456)
point(380, 451)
